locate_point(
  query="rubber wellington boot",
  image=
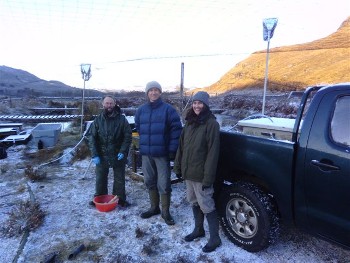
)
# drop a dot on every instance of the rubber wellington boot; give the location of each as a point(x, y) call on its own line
point(154, 209)
point(165, 200)
point(214, 240)
point(198, 230)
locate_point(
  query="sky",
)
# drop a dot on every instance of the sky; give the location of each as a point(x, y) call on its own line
point(131, 42)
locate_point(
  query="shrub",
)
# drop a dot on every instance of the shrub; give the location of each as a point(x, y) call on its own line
point(27, 216)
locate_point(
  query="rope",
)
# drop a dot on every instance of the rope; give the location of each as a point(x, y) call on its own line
point(63, 154)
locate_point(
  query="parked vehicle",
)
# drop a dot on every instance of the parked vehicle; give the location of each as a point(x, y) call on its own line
point(304, 181)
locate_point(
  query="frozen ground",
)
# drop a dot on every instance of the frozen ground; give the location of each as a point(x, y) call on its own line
point(121, 235)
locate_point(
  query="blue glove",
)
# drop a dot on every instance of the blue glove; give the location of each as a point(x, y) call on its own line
point(96, 160)
point(120, 156)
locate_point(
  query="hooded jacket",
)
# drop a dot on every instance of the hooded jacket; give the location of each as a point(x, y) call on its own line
point(159, 127)
point(198, 152)
point(110, 135)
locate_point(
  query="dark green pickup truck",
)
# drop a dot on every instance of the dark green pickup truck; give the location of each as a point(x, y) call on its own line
point(304, 181)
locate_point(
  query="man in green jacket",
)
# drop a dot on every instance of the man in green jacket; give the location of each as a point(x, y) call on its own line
point(109, 143)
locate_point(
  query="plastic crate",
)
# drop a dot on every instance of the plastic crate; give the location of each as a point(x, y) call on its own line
point(47, 133)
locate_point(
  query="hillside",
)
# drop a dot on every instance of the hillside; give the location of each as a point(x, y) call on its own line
point(322, 61)
point(17, 82)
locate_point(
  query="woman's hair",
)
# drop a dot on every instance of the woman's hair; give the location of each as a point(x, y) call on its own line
point(192, 117)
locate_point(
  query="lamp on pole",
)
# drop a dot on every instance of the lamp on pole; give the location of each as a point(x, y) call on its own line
point(86, 74)
point(269, 25)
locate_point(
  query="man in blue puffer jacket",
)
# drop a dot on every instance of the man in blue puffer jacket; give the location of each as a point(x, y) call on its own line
point(159, 127)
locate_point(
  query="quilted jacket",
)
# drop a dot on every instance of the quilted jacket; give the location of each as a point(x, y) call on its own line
point(159, 127)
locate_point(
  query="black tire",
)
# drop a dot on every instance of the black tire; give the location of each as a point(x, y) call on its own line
point(248, 217)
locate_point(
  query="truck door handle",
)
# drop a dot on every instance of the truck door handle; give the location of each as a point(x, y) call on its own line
point(325, 166)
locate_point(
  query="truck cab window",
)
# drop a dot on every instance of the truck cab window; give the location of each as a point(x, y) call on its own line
point(340, 125)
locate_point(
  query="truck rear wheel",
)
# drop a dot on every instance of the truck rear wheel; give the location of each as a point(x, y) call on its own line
point(248, 217)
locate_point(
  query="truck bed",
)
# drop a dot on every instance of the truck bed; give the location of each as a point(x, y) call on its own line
point(239, 161)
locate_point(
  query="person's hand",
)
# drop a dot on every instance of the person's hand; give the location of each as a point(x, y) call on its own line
point(120, 156)
point(179, 176)
point(172, 156)
point(205, 187)
point(96, 160)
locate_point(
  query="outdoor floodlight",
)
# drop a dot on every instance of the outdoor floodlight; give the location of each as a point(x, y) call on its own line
point(269, 25)
point(86, 74)
point(85, 71)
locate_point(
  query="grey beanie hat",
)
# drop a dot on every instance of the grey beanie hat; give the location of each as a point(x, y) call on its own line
point(153, 84)
point(202, 96)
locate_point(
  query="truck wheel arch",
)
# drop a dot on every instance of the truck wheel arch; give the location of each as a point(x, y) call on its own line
point(248, 216)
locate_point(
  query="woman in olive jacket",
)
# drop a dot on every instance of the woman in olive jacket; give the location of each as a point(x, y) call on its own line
point(196, 161)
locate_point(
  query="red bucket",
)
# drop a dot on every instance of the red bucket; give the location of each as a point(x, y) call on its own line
point(102, 205)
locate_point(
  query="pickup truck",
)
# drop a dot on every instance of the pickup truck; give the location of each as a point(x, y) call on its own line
point(304, 182)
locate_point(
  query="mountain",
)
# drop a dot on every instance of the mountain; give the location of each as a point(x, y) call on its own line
point(17, 82)
point(295, 67)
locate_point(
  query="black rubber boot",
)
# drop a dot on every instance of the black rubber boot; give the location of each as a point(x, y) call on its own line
point(154, 210)
point(165, 200)
point(214, 240)
point(198, 230)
